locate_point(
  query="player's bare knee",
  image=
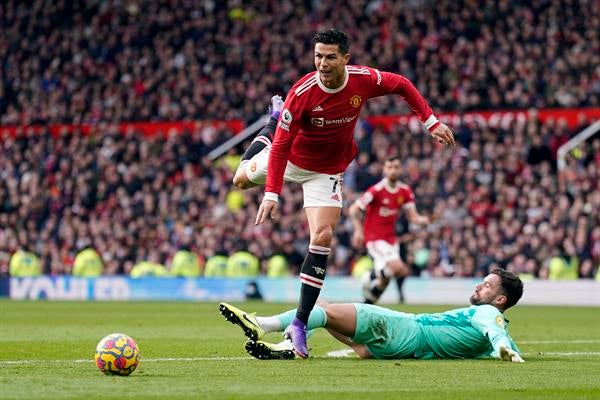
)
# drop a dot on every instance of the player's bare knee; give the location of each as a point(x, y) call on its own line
point(322, 236)
point(241, 181)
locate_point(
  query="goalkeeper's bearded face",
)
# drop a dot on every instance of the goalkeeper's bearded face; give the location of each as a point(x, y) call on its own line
point(487, 292)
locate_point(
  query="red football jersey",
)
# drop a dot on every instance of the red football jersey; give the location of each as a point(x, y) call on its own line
point(316, 127)
point(382, 205)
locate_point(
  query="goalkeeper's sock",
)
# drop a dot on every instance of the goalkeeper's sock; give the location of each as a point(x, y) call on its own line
point(277, 323)
point(272, 324)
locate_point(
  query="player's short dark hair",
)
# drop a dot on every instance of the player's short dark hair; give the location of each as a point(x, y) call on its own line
point(511, 285)
point(333, 36)
point(394, 157)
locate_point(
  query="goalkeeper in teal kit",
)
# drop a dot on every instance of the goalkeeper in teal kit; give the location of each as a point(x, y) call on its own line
point(478, 331)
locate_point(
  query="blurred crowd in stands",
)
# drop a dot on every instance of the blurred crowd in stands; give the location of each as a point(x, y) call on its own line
point(496, 199)
point(90, 61)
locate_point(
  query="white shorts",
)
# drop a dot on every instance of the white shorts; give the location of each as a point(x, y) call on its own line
point(383, 252)
point(320, 190)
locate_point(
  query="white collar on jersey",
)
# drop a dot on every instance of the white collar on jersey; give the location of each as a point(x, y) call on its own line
point(326, 89)
point(389, 187)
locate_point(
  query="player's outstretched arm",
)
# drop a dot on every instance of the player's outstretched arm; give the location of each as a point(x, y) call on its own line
point(492, 325)
point(443, 135)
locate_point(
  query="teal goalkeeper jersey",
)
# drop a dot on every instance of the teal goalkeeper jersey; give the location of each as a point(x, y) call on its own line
point(471, 332)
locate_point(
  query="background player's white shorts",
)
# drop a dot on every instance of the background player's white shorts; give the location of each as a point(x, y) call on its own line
point(320, 190)
point(383, 252)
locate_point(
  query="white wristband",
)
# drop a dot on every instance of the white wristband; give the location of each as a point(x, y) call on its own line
point(271, 196)
point(432, 120)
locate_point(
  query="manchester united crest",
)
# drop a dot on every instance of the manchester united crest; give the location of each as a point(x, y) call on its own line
point(355, 101)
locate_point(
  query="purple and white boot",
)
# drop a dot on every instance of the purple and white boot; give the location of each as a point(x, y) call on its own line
point(296, 332)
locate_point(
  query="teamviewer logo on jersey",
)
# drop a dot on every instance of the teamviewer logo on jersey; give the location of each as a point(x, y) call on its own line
point(320, 122)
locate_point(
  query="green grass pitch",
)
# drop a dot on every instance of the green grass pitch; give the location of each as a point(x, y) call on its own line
point(189, 351)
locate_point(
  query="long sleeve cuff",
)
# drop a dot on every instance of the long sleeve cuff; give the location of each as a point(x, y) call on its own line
point(271, 196)
point(431, 123)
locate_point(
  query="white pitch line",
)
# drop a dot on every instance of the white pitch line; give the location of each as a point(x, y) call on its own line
point(196, 359)
point(145, 360)
point(583, 341)
point(349, 353)
point(564, 353)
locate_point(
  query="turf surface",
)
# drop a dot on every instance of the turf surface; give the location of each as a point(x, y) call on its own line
point(189, 351)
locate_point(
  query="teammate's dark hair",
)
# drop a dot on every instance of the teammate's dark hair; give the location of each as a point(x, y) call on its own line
point(393, 157)
point(511, 285)
point(333, 36)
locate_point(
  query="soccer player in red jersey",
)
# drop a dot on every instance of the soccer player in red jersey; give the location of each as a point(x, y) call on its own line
point(382, 203)
point(313, 145)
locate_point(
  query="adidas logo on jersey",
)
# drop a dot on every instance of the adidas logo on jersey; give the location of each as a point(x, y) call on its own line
point(317, 109)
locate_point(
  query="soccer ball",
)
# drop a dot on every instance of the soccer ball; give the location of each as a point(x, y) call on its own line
point(117, 354)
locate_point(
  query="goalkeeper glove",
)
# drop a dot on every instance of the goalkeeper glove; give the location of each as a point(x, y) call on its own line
point(507, 354)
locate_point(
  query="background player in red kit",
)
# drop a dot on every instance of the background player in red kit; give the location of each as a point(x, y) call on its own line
point(382, 203)
point(313, 145)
